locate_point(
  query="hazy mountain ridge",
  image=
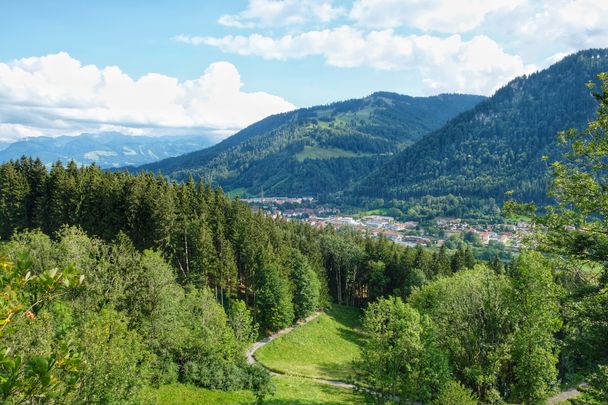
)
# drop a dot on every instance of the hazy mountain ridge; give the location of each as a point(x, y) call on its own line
point(108, 149)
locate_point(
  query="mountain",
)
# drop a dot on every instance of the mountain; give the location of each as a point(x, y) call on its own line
point(498, 145)
point(108, 149)
point(320, 149)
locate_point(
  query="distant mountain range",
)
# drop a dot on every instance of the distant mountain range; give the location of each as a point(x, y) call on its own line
point(498, 145)
point(317, 150)
point(107, 150)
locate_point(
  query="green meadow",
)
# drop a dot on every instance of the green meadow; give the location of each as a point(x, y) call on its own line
point(324, 348)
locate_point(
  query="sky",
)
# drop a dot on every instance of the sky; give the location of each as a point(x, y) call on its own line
point(213, 67)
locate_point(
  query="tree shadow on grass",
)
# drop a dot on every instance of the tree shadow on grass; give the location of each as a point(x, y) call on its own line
point(345, 315)
point(349, 321)
point(342, 371)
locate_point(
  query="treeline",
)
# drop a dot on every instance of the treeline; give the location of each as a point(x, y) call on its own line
point(511, 334)
point(499, 145)
point(177, 280)
point(211, 240)
point(85, 322)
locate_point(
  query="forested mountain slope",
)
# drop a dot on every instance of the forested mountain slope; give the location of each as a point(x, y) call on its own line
point(497, 146)
point(319, 149)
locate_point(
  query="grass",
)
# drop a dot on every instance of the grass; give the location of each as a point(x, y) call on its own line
point(182, 394)
point(317, 152)
point(324, 348)
point(377, 211)
point(238, 192)
point(290, 390)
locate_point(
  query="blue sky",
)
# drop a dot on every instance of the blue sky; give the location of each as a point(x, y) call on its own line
point(216, 66)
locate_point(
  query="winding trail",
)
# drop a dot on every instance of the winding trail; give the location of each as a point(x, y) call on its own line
point(563, 396)
point(254, 347)
point(554, 400)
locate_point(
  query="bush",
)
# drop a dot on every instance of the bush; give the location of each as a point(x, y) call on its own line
point(454, 393)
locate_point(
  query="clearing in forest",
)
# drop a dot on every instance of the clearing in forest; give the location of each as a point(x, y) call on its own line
point(323, 348)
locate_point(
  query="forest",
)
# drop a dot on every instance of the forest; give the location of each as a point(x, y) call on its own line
point(501, 145)
point(111, 283)
point(353, 135)
point(184, 277)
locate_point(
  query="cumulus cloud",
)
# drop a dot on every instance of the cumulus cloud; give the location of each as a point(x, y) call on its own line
point(450, 63)
point(449, 16)
point(274, 13)
point(56, 94)
point(577, 24)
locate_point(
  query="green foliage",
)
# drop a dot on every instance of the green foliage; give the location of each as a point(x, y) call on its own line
point(317, 150)
point(260, 383)
point(131, 324)
point(576, 225)
point(597, 391)
point(497, 146)
point(26, 374)
point(453, 393)
point(538, 317)
point(274, 300)
point(400, 358)
point(573, 232)
point(115, 362)
point(241, 321)
point(498, 331)
point(306, 287)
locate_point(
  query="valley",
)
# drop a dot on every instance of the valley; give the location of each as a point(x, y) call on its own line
point(245, 218)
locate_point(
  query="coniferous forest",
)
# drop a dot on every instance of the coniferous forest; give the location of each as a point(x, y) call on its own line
point(183, 277)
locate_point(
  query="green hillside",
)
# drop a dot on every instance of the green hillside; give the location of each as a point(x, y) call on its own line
point(324, 348)
point(497, 146)
point(319, 149)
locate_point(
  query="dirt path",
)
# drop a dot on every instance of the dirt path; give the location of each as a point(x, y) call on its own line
point(554, 400)
point(563, 396)
point(254, 347)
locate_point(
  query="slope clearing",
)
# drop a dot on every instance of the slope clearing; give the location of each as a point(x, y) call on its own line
point(324, 348)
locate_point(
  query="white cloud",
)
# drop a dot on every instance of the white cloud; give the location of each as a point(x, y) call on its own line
point(449, 16)
point(479, 65)
point(532, 29)
point(56, 94)
point(273, 13)
point(576, 24)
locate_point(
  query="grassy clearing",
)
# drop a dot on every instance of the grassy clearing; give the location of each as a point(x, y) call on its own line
point(182, 394)
point(317, 152)
point(290, 390)
point(238, 192)
point(323, 348)
point(377, 211)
